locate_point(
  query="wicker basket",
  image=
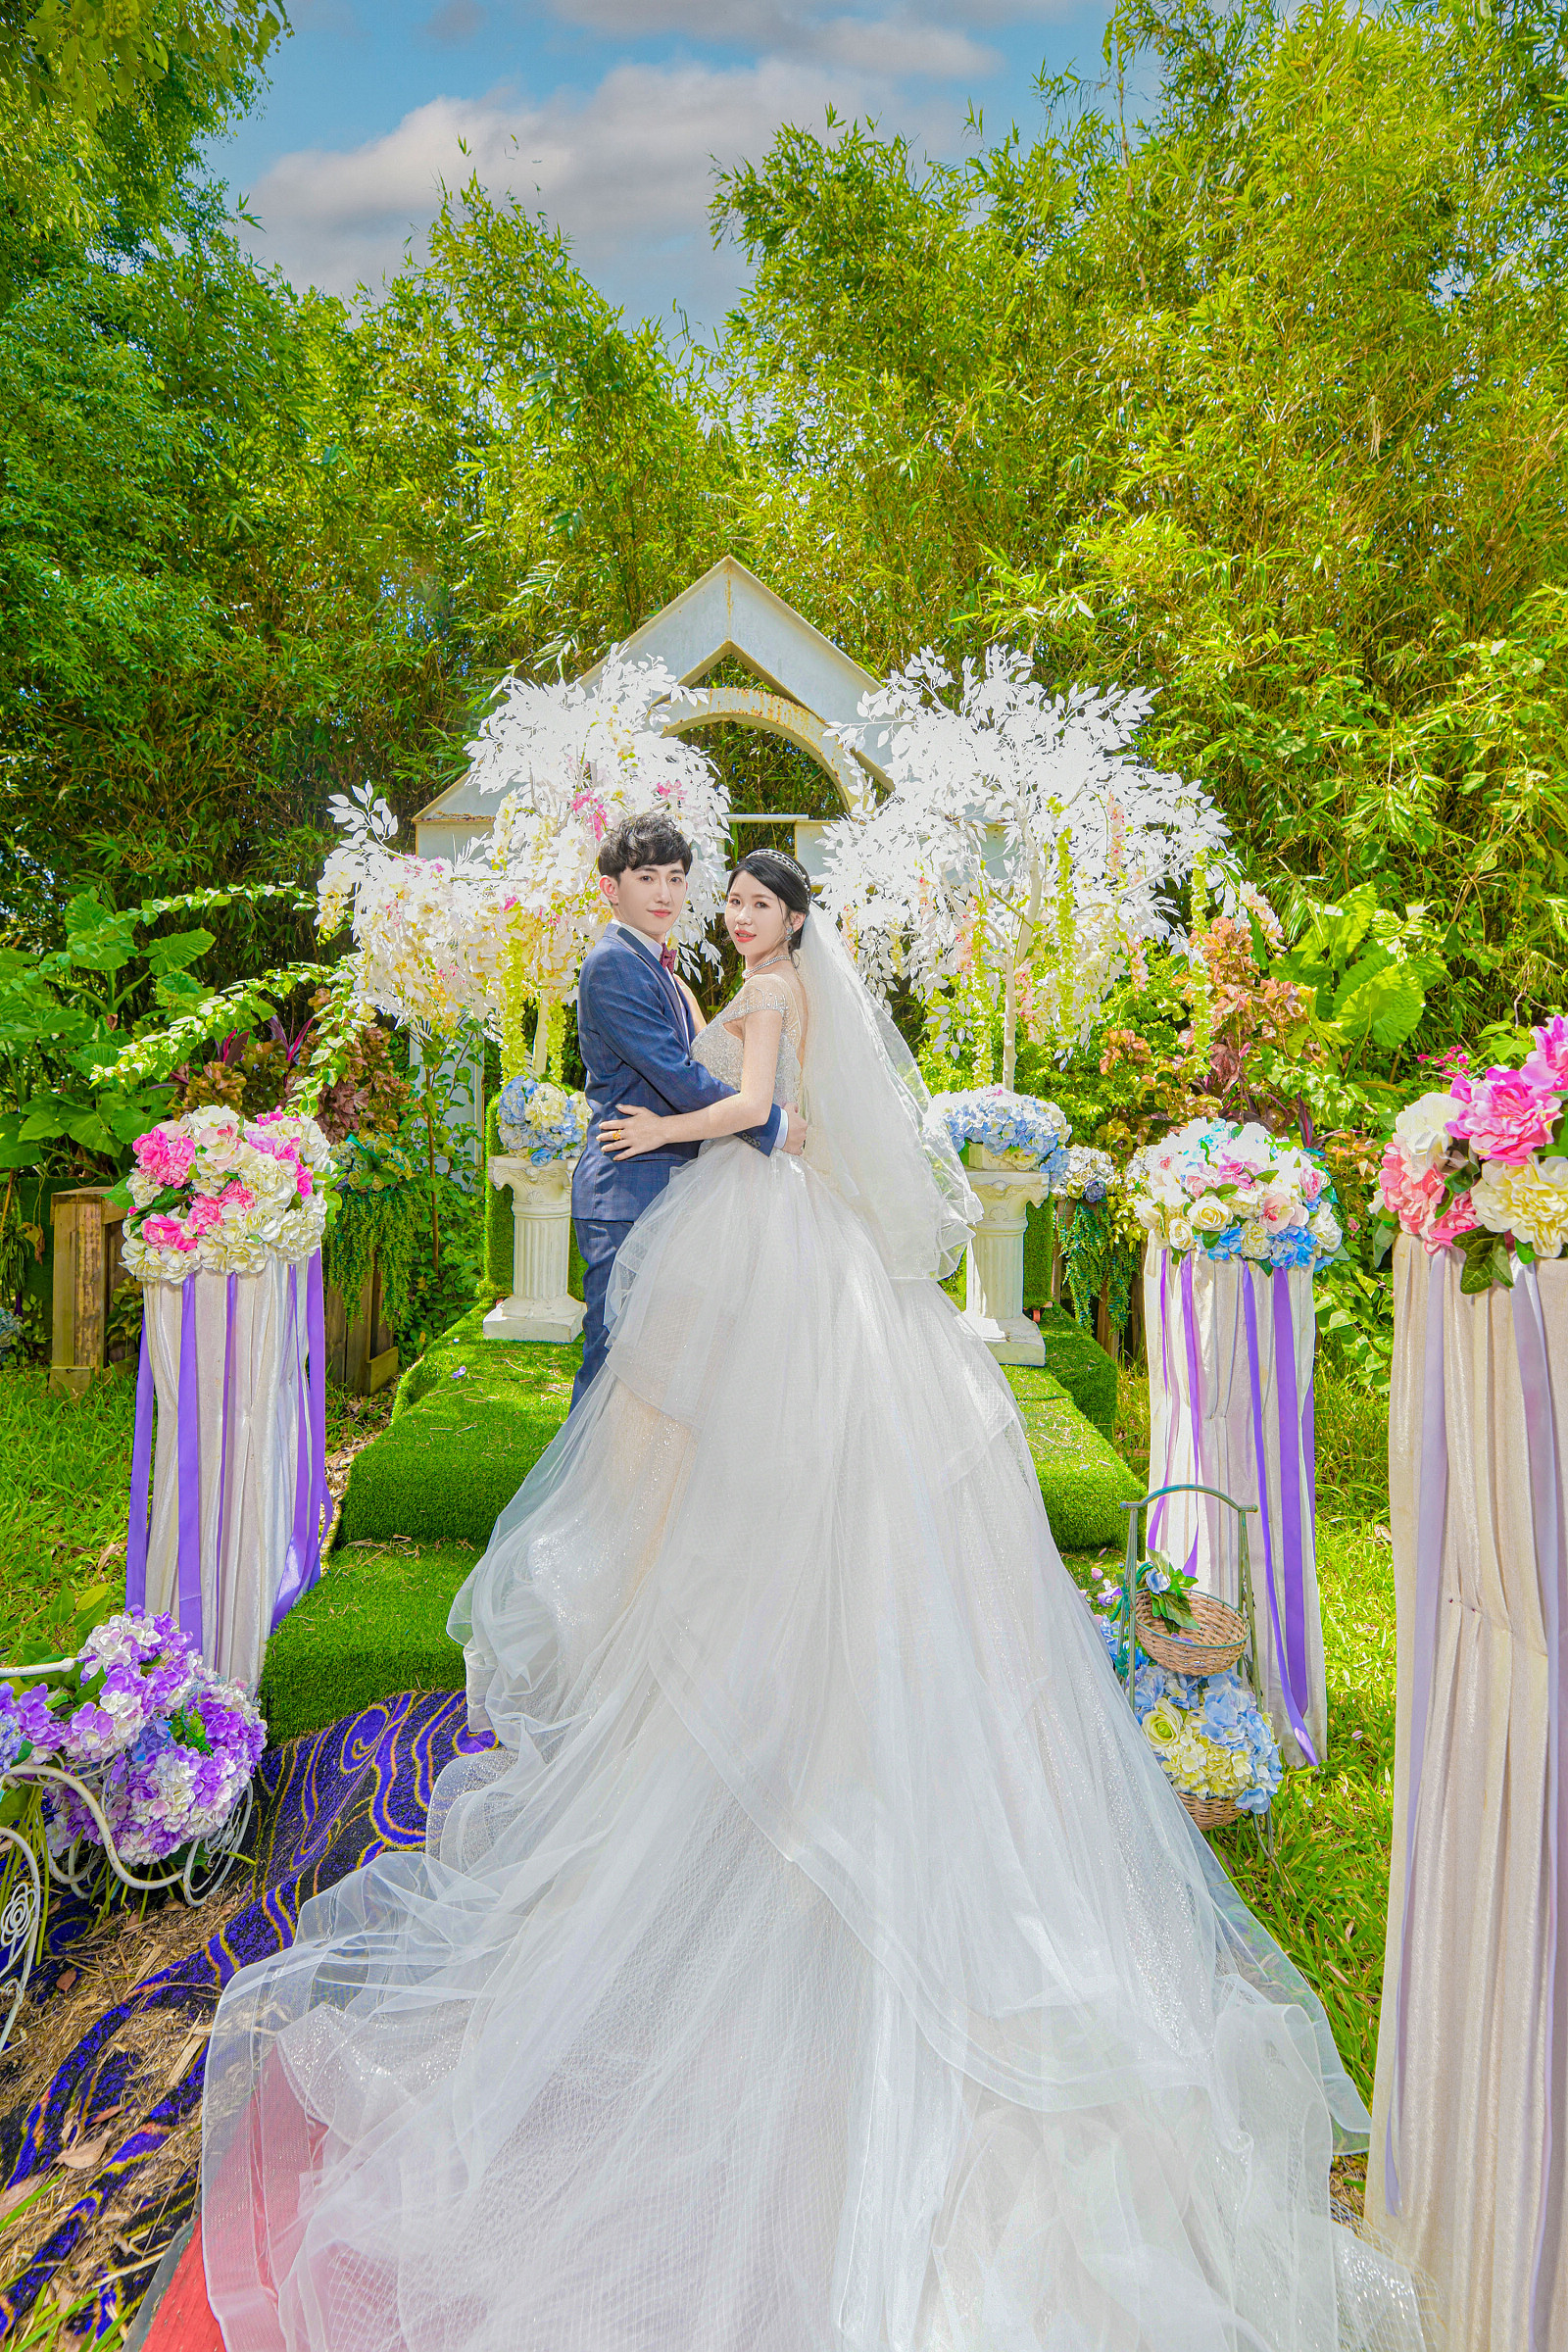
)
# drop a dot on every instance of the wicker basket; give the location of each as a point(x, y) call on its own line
point(1211, 1812)
point(1215, 1642)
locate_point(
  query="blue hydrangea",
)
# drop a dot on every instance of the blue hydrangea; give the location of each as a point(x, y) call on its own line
point(1003, 1122)
point(540, 1123)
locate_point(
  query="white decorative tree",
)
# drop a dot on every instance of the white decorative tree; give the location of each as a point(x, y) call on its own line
point(507, 927)
point(1025, 854)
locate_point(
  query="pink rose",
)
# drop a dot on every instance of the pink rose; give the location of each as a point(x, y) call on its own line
point(1311, 1183)
point(1546, 1068)
point(1505, 1118)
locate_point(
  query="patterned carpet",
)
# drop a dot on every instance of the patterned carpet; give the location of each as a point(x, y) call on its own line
point(324, 1806)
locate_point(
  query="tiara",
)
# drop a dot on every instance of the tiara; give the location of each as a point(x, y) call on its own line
point(781, 857)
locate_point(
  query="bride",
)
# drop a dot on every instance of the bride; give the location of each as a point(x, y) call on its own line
point(820, 1959)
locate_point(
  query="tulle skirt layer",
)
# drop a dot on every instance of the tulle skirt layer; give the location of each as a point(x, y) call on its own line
point(820, 1959)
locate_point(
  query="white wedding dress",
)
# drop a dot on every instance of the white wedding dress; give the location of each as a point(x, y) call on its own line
point(821, 1959)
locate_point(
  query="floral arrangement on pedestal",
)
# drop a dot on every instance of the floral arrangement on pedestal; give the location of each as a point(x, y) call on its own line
point(1022, 858)
point(1207, 1731)
point(1227, 1191)
point(507, 926)
point(1021, 1131)
point(141, 1723)
point(541, 1122)
point(215, 1192)
point(1481, 1166)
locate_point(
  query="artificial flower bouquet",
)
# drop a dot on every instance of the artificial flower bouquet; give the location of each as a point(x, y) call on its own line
point(215, 1192)
point(1228, 1191)
point(1481, 1167)
point(1025, 1130)
point(1212, 1739)
point(139, 1717)
point(541, 1122)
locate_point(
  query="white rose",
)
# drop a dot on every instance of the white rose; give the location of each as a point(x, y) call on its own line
point(1325, 1229)
point(1421, 1129)
point(1179, 1233)
point(1254, 1241)
point(1209, 1214)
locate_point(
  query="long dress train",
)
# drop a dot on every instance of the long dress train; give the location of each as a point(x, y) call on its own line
point(821, 1959)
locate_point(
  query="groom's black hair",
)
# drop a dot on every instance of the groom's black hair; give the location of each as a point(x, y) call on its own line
point(644, 841)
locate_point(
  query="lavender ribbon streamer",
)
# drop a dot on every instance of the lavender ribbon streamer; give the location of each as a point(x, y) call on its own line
point(188, 1449)
point(1541, 1438)
point(1158, 1512)
point(1426, 1608)
point(1289, 1427)
point(141, 1468)
point(1282, 1645)
point(223, 1440)
point(1195, 1404)
point(301, 1565)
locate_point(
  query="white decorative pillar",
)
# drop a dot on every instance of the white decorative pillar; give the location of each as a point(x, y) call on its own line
point(540, 1307)
point(994, 1263)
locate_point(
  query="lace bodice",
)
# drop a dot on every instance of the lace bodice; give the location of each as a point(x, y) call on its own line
point(721, 1051)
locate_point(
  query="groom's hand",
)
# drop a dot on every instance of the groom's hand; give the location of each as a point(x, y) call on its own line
point(794, 1131)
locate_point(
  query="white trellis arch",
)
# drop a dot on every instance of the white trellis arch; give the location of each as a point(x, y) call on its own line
point(807, 687)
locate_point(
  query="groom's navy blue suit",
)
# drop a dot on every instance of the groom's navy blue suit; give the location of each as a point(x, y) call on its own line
point(634, 1032)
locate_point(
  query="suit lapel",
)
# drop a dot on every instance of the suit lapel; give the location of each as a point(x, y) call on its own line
point(676, 1001)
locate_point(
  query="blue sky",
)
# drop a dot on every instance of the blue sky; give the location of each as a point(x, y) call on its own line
point(607, 115)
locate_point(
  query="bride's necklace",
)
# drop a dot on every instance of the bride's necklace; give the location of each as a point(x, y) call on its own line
point(767, 962)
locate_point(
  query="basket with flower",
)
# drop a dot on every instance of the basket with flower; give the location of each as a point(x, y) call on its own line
point(1186, 1660)
point(227, 1217)
point(1238, 1221)
point(127, 1766)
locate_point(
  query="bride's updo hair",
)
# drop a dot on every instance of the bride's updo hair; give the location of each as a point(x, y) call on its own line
point(787, 879)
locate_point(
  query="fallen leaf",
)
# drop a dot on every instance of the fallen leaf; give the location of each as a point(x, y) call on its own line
point(17, 2194)
point(81, 2155)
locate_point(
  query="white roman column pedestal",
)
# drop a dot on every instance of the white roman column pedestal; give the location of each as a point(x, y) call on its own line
point(994, 1262)
point(540, 1308)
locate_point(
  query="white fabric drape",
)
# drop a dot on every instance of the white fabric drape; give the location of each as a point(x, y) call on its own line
point(247, 1500)
point(1214, 1442)
point(1469, 2137)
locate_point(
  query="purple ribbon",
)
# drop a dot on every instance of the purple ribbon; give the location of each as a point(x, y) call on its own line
point(189, 1449)
point(1425, 1609)
point(141, 1466)
point(1541, 1435)
point(1290, 1640)
point(301, 1566)
point(1158, 1512)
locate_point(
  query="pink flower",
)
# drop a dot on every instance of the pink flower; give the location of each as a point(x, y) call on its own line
point(1506, 1117)
point(304, 1184)
point(1276, 1208)
point(202, 1214)
point(1411, 1194)
point(1311, 1183)
point(1546, 1068)
point(235, 1195)
point(165, 1155)
point(166, 1233)
point(1459, 1218)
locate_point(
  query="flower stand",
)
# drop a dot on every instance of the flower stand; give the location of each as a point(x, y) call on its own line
point(1230, 1349)
point(994, 1261)
point(1469, 2170)
point(540, 1306)
point(237, 1363)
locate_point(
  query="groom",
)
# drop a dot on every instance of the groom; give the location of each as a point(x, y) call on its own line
point(634, 1030)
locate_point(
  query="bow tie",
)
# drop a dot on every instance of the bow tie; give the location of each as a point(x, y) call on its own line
point(666, 957)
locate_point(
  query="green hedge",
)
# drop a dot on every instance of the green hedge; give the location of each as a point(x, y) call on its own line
point(1081, 1365)
point(470, 1420)
point(377, 1623)
point(1083, 1480)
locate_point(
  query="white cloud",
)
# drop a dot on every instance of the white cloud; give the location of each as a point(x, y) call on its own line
point(626, 169)
point(908, 41)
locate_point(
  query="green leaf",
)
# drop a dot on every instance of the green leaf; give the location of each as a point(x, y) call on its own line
point(180, 949)
point(41, 1126)
point(1386, 1005)
point(97, 939)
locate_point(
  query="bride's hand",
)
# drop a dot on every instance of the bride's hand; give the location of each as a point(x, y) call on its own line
point(635, 1129)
